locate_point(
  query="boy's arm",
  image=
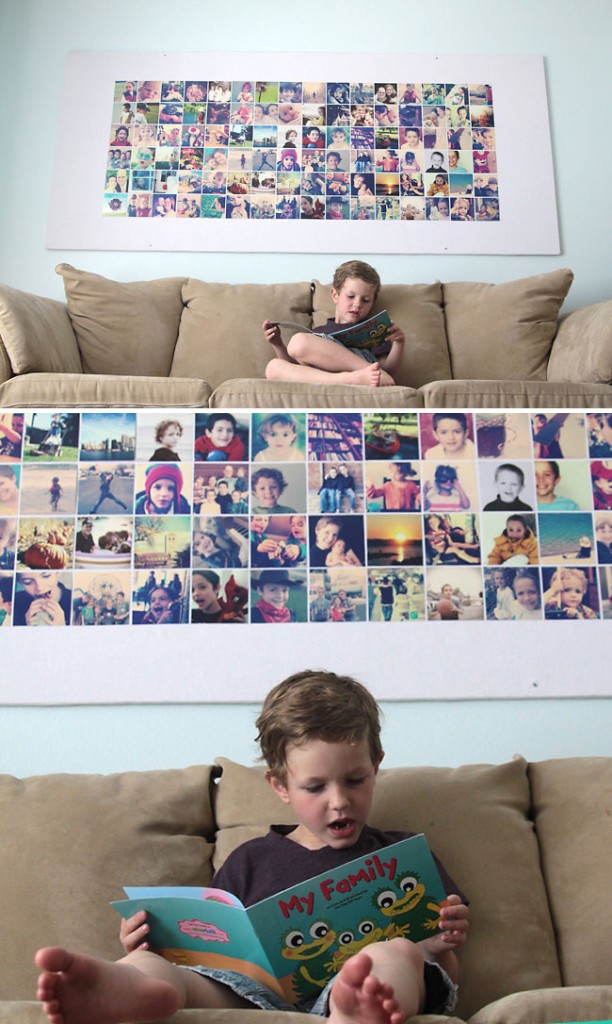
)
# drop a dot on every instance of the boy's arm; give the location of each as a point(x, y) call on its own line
point(393, 360)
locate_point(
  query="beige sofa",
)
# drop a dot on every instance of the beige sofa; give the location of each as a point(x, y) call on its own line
point(529, 844)
point(183, 342)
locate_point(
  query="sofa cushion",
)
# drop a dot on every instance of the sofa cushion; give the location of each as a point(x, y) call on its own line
point(495, 859)
point(572, 805)
point(584, 1003)
point(583, 346)
point(37, 333)
point(95, 390)
point(124, 328)
point(68, 844)
point(220, 336)
point(273, 394)
point(483, 394)
point(506, 328)
point(417, 308)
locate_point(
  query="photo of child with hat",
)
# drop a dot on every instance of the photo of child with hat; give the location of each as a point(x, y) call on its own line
point(280, 596)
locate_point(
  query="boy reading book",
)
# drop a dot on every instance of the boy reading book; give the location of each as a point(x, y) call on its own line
point(311, 358)
point(320, 737)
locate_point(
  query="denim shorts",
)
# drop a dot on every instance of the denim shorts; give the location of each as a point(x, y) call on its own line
point(363, 353)
point(440, 991)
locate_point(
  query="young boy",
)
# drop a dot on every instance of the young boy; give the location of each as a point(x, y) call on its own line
point(601, 476)
point(219, 442)
point(510, 481)
point(320, 737)
point(278, 435)
point(548, 477)
point(450, 431)
point(313, 359)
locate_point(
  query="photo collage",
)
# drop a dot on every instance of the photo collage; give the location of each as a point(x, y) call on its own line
point(203, 517)
point(297, 150)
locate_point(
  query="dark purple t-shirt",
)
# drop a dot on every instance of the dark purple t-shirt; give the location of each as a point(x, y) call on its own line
point(267, 865)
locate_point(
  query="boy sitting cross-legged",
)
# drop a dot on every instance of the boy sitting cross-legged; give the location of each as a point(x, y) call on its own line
point(311, 358)
point(320, 737)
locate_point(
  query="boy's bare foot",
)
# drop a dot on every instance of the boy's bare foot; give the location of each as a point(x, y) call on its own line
point(79, 989)
point(370, 376)
point(360, 998)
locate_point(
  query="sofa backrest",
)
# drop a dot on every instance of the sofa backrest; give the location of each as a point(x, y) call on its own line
point(220, 336)
point(477, 821)
point(68, 843)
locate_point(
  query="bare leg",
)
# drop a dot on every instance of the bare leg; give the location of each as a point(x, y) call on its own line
point(324, 354)
point(368, 374)
point(142, 987)
point(383, 986)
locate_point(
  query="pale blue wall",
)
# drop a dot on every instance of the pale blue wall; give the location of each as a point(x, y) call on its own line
point(34, 37)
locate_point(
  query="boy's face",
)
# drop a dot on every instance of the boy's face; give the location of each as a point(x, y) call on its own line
point(162, 493)
point(280, 435)
point(221, 433)
point(604, 531)
point(330, 787)
point(203, 592)
point(160, 601)
point(509, 485)
point(603, 484)
point(298, 527)
point(515, 530)
point(171, 436)
point(450, 434)
point(276, 594)
point(546, 481)
point(571, 593)
point(353, 301)
point(526, 593)
point(267, 492)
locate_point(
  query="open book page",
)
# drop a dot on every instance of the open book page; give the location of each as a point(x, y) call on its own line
point(370, 334)
point(295, 941)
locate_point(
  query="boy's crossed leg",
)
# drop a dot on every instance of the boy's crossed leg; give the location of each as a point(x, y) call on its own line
point(383, 986)
point(311, 359)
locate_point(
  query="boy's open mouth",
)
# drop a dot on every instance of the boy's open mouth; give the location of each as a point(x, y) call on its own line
point(342, 826)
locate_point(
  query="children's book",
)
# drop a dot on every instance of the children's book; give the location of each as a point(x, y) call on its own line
point(370, 334)
point(295, 941)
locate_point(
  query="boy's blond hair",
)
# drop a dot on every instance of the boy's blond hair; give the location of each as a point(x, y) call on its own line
point(573, 574)
point(356, 268)
point(316, 705)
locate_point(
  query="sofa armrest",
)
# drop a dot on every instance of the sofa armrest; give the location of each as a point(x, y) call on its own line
point(582, 349)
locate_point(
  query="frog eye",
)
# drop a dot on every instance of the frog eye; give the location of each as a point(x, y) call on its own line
point(294, 940)
point(366, 927)
point(408, 883)
point(345, 938)
point(386, 898)
point(319, 929)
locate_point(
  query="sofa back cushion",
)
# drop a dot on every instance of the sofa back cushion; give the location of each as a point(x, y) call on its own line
point(503, 331)
point(37, 333)
point(417, 309)
point(122, 327)
point(220, 336)
point(476, 819)
point(572, 809)
point(68, 843)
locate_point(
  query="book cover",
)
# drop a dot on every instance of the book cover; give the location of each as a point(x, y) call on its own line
point(295, 941)
point(369, 334)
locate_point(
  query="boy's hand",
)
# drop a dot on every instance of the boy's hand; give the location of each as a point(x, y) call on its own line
point(454, 924)
point(271, 331)
point(133, 932)
point(395, 335)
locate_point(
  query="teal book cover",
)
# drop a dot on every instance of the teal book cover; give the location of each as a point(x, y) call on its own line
point(295, 941)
